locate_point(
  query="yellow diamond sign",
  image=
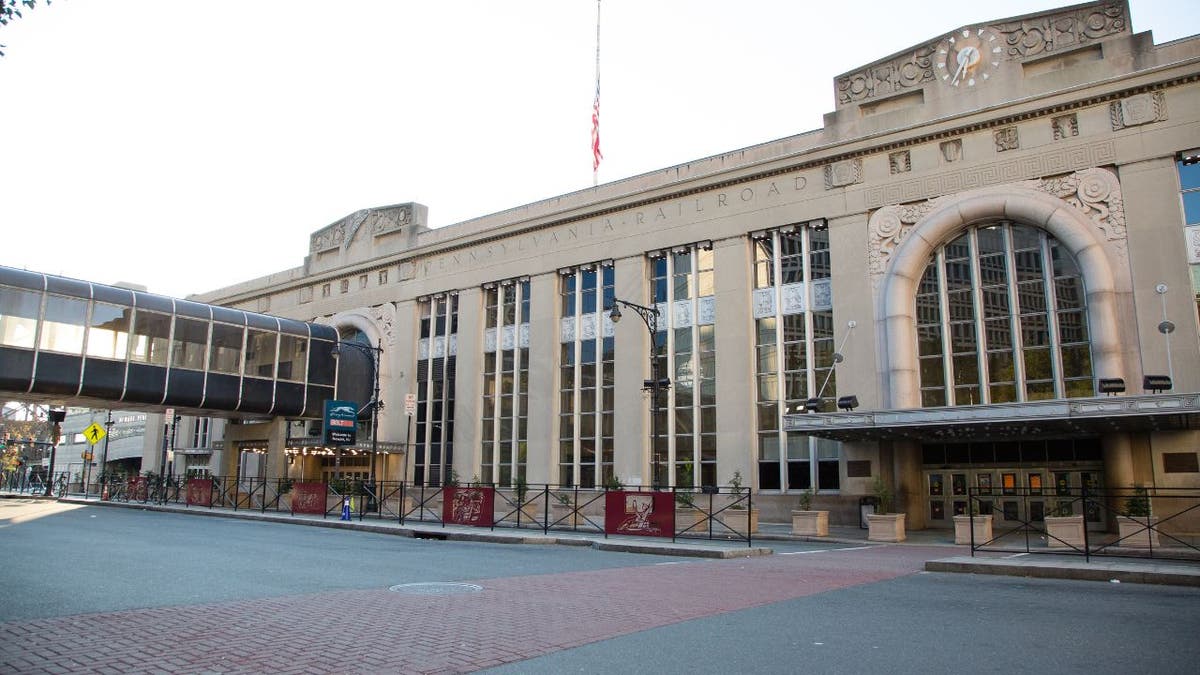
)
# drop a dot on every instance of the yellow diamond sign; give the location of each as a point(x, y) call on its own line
point(94, 433)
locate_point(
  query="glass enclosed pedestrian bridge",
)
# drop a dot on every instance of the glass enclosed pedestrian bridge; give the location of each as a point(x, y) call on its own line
point(73, 342)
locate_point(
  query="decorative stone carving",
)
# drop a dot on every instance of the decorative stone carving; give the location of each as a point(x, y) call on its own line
point(1062, 30)
point(1193, 243)
point(1006, 139)
point(587, 327)
point(1138, 110)
point(707, 311)
point(453, 348)
point(682, 317)
point(391, 221)
point(843, 173)
point(822, 295)
point(1065, 126)
point(900, 162)
point(764, 302)
point(911, 70)
point(792, 298)
point(1057, 159)
point(951, 150)
point(385, 319)
point(1096, 192)
point(1031, 36)
point(342, 232)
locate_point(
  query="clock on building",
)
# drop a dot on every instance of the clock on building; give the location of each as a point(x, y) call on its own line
point(967, 57)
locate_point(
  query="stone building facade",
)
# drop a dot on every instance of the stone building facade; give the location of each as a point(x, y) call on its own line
point(988, 226)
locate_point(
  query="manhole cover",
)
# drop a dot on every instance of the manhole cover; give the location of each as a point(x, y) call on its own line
point(436, 588)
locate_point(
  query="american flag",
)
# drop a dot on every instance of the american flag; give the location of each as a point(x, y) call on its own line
point(596, 155)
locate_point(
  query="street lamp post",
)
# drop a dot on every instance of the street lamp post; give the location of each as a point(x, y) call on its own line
point(108, 424)
point(376, 354)
point(656, 384)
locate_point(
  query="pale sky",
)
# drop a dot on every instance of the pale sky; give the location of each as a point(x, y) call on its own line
point(187, 145)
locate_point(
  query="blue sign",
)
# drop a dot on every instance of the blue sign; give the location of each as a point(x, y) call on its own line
point(341, 422)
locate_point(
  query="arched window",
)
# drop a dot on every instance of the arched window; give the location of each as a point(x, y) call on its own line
point(1001, 317)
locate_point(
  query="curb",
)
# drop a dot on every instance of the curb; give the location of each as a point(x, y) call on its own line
point(1082, 571)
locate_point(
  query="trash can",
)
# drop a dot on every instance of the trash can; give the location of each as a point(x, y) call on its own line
point(866, 507)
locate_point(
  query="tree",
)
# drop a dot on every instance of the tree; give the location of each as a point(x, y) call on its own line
point(11, 9)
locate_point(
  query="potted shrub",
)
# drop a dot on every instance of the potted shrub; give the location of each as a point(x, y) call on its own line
point(563, 511)
point(738, 517)
point(809, 523)
point(883, 525)
point(1064, 529)
point(1136, 527)
point(965, 524)
point(687, 515)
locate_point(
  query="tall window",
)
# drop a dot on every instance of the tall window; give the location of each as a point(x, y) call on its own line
point(1002, 317)
point(586, 376)
point(685, 449)
point(794, 354)
point(200, 429)
point(505, 382)
point(433, 449)
point(1189, 185)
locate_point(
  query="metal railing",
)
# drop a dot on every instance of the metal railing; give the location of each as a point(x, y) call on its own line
point(1135, 522)
point(699, 513)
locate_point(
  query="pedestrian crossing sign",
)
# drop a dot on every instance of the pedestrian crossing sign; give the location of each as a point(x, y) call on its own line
point(94, 433)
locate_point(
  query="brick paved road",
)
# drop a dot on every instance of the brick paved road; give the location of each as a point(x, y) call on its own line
point(369, 631)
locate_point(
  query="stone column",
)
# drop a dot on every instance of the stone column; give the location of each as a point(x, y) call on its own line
point(467, 384)
point(631, 460)
point(737, 447)
point(543, 381)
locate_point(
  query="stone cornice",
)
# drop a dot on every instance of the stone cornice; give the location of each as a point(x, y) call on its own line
point(813, 158)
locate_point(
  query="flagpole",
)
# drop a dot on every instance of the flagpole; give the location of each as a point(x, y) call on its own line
point(596, 156)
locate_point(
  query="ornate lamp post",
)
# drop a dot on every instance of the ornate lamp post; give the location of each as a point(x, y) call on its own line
point(656, 384)
point(376, 354)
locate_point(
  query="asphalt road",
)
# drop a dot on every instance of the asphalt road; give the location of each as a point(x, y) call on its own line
point(62, 559)
point(97, 589)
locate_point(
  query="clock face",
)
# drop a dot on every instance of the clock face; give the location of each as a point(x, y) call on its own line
point(968, 57)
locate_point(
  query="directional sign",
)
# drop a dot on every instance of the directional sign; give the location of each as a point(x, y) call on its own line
point(94, 433)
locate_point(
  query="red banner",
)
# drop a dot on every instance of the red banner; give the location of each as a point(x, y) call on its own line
point(646, 514)
point(308, 498)
point(199, 492)
point(468, 506)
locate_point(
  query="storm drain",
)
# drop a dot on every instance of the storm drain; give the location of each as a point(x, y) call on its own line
point(436, 588)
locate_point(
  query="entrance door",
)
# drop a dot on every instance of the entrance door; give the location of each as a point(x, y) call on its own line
point(1009, 494)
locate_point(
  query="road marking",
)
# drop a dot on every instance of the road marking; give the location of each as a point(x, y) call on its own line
point(1016, 555)
point(823, 550)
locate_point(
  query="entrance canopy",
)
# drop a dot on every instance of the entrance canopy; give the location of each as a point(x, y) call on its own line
point(1079, 416)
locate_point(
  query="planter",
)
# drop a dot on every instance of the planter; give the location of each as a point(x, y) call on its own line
point(964, 524)
point(565, 516)
point(810, 523)
point(1064, 532)
point(690, 518)
point(885, 527)
point(742, 521)
point(1137, 531)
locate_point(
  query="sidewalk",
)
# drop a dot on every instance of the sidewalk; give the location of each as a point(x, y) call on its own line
point(958, 558)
